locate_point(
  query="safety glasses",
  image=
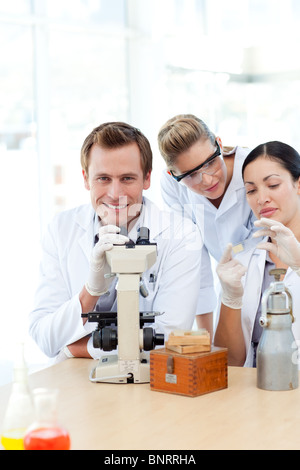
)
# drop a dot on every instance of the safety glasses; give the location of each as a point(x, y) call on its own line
point(207, 166)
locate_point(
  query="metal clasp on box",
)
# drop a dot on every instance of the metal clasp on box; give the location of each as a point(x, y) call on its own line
point(170, 377)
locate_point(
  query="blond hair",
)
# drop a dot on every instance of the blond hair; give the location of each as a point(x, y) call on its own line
point(179, 133)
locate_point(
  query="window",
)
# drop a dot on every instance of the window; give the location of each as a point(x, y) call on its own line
point(63, 71)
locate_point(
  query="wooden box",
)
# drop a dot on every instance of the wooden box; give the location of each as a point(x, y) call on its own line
point(188, 374)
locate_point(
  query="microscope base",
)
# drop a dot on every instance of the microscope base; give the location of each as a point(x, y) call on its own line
point(111, 369)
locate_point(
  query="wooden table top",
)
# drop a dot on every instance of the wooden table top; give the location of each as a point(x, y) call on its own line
point(133, 417)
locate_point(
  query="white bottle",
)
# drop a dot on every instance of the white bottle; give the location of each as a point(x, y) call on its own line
point(19, 413)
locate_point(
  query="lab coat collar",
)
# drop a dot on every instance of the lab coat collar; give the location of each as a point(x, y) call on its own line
point(85, 219)
point(249, 249)
point(263, 256)
point(155, 219)
point(236, 187)
point(84, 216)
point(236, 182)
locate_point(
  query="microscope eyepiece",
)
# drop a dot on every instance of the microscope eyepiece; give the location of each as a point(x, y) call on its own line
point(144, 236)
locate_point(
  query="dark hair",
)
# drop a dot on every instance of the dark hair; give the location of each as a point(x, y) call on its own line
point(284, 154)
point(112, 135)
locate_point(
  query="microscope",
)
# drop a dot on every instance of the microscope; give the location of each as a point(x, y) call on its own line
point(124, 330)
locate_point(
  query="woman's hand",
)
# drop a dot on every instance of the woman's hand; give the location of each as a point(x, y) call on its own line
point(285, 245)
point(230, 272)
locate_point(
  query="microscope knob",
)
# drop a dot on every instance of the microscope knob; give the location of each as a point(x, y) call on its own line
point(159, 339)
point(152, 339)
point(105, 338)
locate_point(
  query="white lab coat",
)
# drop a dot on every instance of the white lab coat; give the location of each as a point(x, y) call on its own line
point(231, 222)
point(56, 319)
point(254, 259)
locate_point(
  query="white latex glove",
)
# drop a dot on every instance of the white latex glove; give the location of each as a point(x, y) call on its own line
point(285, 245)
point(230, 272)
point(97, 284)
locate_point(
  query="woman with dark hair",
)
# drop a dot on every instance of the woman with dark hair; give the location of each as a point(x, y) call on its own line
point(271, 175)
